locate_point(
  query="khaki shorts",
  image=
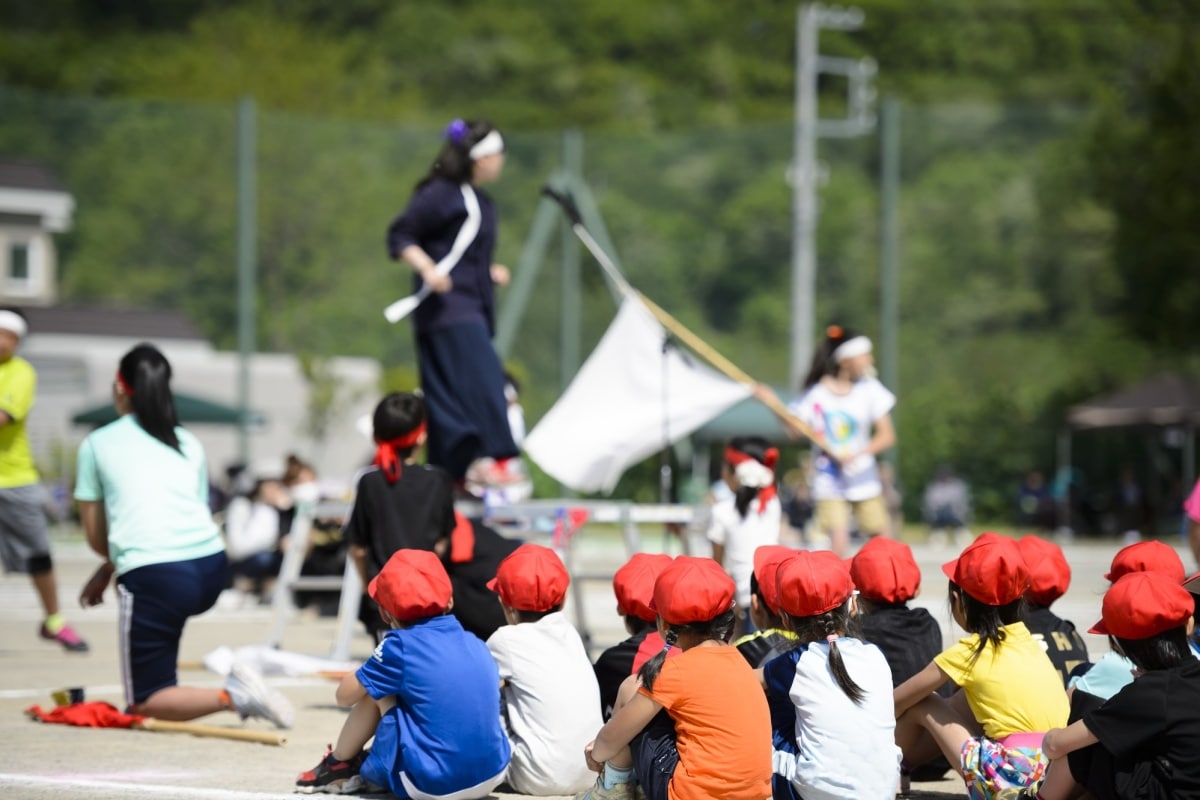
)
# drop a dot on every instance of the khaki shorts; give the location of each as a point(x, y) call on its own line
point(872, 516)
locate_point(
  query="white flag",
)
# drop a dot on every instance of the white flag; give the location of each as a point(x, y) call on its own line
point(616, 409)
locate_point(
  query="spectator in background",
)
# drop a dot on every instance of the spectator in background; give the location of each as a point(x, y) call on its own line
point(1129, 503)
point(795, 491)
point(1035, 502)
point(24, 540)
point(1191, 509)
point(893, 498)
point(947, 507)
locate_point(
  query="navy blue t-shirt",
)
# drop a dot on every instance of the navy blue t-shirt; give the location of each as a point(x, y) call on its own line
point(434, 215)
point(444, 733)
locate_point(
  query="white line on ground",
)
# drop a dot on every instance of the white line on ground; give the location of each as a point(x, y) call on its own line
point(139, 790)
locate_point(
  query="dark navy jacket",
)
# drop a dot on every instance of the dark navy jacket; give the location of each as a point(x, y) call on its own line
point(434, 215)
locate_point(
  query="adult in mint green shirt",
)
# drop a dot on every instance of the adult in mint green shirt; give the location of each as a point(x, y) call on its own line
point(24, 540)
point(142, 487)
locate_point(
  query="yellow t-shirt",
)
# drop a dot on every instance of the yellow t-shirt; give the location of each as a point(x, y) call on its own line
point(17, 384)
point(1013, 689)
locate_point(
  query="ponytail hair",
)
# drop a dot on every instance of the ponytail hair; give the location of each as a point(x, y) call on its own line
point(719, 627)
point(828, 627)
point(823, 362)
point(453, 161)
point(147, 374)
point(759, 449)
point(987, 621)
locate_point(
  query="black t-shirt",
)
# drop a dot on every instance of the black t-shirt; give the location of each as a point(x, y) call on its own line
point(615, 665)
point(1063, 644)
point(1158, 715)
point(762, 646)
point(908, 637)
point(414, 512)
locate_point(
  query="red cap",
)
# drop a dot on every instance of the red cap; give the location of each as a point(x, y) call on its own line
point(531, 578)
point(634, 584)
point(1049, 572)
point(884, 570)
point(991, 570)
point(413, 584)
point(1144, 604)
point(767, 559)
point(1152, 556)
point(812, 583)
point(692, 589)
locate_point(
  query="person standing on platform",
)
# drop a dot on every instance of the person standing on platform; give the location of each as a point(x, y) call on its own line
point(447, 235)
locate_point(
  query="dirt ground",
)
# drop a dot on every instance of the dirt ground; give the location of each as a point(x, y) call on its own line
point(54, 761)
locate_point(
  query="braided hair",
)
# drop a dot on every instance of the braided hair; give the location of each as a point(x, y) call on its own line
point(829, 626)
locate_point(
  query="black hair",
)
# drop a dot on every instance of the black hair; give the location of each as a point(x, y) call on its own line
point(756, 590)
point(837, 622)
point(823, 362)
point(756, 447)
point(719, 627)
point(398, 414)
point(533, 616)
point(985, 620)
point(147, 374)
point(454, 162)
point(1163, 651)
point(636, 625)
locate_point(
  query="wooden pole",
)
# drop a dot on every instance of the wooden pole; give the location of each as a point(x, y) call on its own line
point(212, 731)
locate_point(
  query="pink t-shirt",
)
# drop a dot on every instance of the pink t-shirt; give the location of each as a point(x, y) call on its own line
point(1192, 505)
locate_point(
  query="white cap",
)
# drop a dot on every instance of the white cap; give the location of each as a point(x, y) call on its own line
point(12, 321)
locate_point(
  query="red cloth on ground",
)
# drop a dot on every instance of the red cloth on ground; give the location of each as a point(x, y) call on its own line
point(95, 714)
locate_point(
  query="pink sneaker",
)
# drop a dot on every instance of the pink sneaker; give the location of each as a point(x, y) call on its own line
point(67, 637)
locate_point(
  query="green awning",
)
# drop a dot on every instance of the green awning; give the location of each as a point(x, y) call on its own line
point(189, 407)
point(748, 418)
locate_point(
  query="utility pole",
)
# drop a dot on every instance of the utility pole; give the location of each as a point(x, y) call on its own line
point(860, 119)
point(247, 202)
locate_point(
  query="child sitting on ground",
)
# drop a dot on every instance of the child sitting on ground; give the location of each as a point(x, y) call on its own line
point(1113, 671)
point(1011, 693)
point(1142, 743)
point(1049, 578)
point(633, 584)
point(770, 639)
point(712, 739)
point(887, 577)
point(840, 686)
point(398, 503)
point(428, 694)
point(551, 700)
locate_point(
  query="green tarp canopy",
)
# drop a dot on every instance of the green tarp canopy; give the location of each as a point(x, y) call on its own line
point(748, 418)
point(189, 407)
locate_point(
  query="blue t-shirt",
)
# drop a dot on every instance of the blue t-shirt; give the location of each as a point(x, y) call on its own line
point(444, 734)
point(155, 497)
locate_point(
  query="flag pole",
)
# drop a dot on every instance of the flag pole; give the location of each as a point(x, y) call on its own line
point(698, 345)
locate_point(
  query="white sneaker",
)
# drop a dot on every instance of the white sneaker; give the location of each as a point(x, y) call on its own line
point(253, 698)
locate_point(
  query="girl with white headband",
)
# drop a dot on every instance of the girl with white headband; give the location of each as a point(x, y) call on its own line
point(851, 411)
point(447, 235)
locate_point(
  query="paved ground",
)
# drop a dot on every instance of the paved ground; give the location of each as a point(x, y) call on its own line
point(52, 761)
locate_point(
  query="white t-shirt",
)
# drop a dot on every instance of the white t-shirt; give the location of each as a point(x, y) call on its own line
point(552, 704)
point(846, 421)
point(846, 750)
point(741, 537)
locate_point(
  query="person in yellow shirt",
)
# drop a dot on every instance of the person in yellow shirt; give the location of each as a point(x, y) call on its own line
point(24, 540)
point(1011, 692)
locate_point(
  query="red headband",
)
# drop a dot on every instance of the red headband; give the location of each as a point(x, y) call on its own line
point(385, 453)
point(770, 458)
point(735, 457)
point(125, 387)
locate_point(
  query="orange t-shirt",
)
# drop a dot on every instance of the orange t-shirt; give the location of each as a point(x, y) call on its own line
point(722, 725)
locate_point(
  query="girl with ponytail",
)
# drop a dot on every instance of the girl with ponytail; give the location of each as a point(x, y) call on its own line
point(447, 235)
point(748, 520)
point(693, 725)
point(142, 487)
point(850, 411)
point(841, 741)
